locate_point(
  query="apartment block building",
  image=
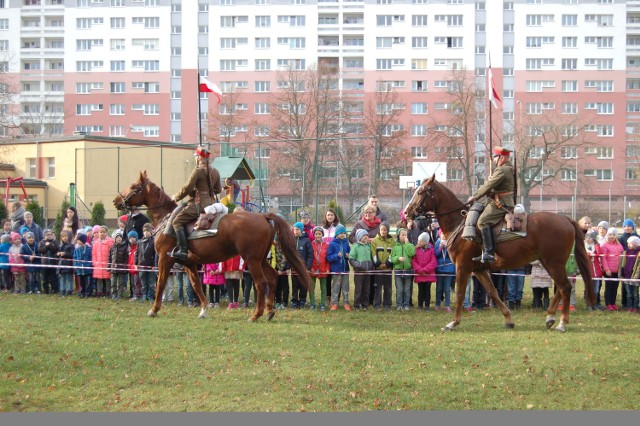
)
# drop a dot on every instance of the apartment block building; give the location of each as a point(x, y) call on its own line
point(129, 68)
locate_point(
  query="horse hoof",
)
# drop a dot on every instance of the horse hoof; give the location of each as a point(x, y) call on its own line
point(152, 313)
point(509, 325)
point(270, 315)
point(449, 327)
point(550, 321)
point(252, 318)
point(560, 329)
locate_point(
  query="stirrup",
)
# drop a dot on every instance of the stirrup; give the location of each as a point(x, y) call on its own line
point(485, 257)
point(178, 255)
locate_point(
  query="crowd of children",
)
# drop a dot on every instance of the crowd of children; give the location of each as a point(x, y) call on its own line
point(93, 264)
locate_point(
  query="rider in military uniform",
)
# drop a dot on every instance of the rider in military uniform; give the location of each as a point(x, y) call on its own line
point(203, 183)
point(499, 190)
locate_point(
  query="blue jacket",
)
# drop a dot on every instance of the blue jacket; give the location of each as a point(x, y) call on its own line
point(445, 265)
point(82, 260)
point(28, 251)
point(4, 256)
point(339, 264)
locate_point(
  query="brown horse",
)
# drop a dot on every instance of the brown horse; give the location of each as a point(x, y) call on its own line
point(249, 235)
point(550, 238)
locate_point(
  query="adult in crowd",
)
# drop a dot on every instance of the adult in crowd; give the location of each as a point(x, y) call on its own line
point(331, 221)
point(305, 219)
point(135, 221)
point(33, 227)
point(16, 213)
point(373, 201)
point(369, 222)
point(71, 222)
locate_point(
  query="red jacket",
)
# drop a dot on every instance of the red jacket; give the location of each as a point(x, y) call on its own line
point(596, 260)
point(320, 266)
point(234, 264)
point(133, 250)
point(424, 264)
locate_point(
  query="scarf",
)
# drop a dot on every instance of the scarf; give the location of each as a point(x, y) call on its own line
point(18, 214)
point(68, 224)
point(373, 223)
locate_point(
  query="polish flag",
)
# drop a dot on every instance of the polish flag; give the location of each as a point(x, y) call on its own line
point(493, 93)
point(207, 86)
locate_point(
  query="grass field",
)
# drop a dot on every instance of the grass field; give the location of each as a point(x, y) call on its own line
point(59, 355)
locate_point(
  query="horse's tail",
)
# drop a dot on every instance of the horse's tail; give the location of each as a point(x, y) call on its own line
point(288, 246)
point(584, 264)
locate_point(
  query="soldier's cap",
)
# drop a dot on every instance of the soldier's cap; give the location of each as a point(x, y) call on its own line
point(201, 152)
point(498, 150)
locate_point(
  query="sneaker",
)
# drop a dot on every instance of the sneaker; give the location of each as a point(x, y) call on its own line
point(364, 308)
point(30, 292)
point(399, 308)
point(38, 292)
point(216, 305)
point(323, 308)
point(470, 310)
point(211, 305)
point(334, 307)
point(447, 309)
point(572, 308)
point(387, 308)
point(614, 307)
point(190, 305)
point(437, 309)
point(406, 308)
point(133, 299)
point(347, 307)
point(294, 305)
point(426, 308)
point(312, 306)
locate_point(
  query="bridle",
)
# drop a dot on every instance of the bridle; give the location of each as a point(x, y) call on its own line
point(134, 191)
point(429, 192)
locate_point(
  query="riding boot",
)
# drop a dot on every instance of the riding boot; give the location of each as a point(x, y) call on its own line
point(180, 252)
point(488, 245)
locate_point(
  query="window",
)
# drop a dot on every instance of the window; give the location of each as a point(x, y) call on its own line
point(419, 152)
point(117, 65)
point(263, 42)
point(147, 65)
point(419, 130)
point(263, 21)
point(262, 86)
point(418, 64)
point(600, 85)
point(569, 63)
point(116, 109)
point(419, 108)
point(569, 41)
point(117, 23)
point(262, 108)
point(117, 87)
point(569, 86)
point(263, 64)
point(419, 20)
point(569, 20)
point(599, 63)
point(263, 152)
point(569, 108)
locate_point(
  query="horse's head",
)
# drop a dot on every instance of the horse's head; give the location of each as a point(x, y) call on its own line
point(423, 199)
point(133, 195)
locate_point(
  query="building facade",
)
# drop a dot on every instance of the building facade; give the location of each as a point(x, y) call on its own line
point(129, 68)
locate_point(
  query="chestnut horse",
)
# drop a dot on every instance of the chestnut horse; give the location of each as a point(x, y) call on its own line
point(550, 239)
point(249, 235)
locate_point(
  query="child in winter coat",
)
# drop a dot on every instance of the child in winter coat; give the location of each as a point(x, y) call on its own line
point(594, 252)
point(445, 274)
point(146, 262)
point(118, 266)
point(82, 262)
point(233, 274)
point(424, 265)
point(5, 268)
point(48, 249)
point(361, 260)
point(381, 247)
point(17, 264)
point(303, 247)
point(134, 280)
point(31, 258)
point(401, 255)
point(630, 271)
point(319, 268)
point(540, 282)
point(101, 247)
point(213, 279)
point(611, 251)
point(65, 263)
point(283, 269)
point(338, 256)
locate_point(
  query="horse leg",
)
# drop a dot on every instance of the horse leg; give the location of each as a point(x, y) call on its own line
point(192, 272)
point(164, 269)
point(462, 277)
point(485, 279)
point(272, 280)
point(256, 269)
point(557, 272)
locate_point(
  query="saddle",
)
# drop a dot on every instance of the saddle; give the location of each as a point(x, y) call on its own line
point(512, 227)
point(206, 225)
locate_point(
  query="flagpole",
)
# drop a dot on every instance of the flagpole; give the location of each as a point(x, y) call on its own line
point(199, 106)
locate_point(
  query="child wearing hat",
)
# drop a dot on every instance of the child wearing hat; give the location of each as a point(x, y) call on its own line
point(611, 251)
point(319, 268)
point(424, 265)
point(134, 280)
point(48, 249)
point(381, 247)
point(305, 251)
point(594, 252)
point(630, 272)
point(305, 219)
point(82, 263)
point(65, 263)
point(5, 268)
point(31, 257)
point(339, 257)
point(118, 265)
point(146, 262)
point(100, 249)
point(17, 264)
point(629, 230)
point(603, 227)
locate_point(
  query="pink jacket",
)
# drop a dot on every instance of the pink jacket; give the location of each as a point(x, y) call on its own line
point(610, 260)
point(213, 274)
point(100, 257)
point(424, 264)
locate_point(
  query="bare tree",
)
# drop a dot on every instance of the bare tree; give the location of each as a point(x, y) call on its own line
point(458, 135)
point(385, 132)
point(227, 120)
point(8, 97)
point(547, 150)
point(305, 112)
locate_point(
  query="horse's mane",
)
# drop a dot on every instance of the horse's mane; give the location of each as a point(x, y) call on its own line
point(158, 192)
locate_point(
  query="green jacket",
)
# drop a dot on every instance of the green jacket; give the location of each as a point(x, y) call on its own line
point(571, 268)
point(360, 257)
point(407, 251)
point(381, 252)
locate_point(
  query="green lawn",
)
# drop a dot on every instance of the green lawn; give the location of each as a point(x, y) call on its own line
point(97, 355)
